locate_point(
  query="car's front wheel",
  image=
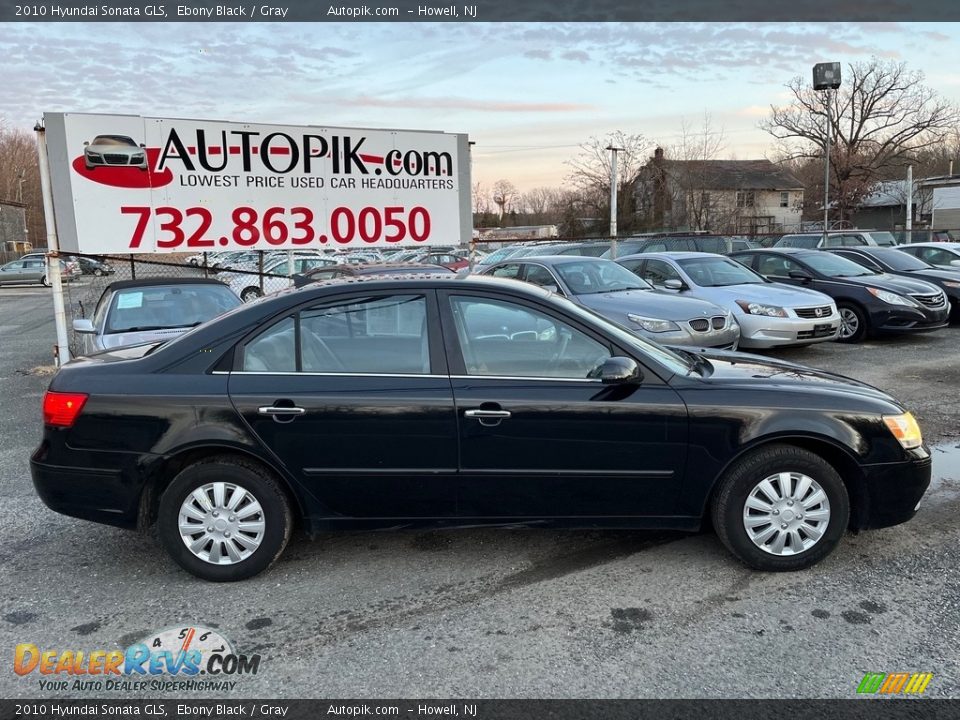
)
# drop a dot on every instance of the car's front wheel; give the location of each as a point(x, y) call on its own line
point(853, 323)
point(781, 508)
point(224, 519)
point(44, 281)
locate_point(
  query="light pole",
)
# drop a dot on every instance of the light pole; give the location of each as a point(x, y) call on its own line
point(613, 200)
point(826, 77)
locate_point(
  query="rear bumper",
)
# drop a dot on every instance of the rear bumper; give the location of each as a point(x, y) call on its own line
point(104, 495)
point(895, 490)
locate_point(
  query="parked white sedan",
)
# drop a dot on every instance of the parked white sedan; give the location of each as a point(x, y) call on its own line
point(770, 314)
point(276, 275)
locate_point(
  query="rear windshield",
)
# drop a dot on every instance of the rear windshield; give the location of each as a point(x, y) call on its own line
point(160, 307)
point(799, 241)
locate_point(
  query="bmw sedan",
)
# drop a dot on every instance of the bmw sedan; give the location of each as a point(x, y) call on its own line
point(606, 288)
point(463, 401)
point(870, 303)
point(770, 315)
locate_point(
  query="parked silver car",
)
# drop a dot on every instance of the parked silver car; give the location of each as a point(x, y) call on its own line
point(32, 269)
point(944, 255)
point(131, 312)
point(769, 314)
point(613, 292)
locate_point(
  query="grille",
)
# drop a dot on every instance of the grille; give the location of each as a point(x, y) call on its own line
point(814, 312)
point(116, 159)
point(930, 301)
point(718, 321)
point(700, 324)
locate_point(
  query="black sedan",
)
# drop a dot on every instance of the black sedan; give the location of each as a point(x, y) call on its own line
point(869, 303)
point(463, 401)
point(895, 262)
point(93, 266)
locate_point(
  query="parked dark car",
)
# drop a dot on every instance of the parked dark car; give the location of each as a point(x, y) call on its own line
point(894, 262)
point(592, 248)
point(869, 303)
point(721, 244)
point(92, 266)
point(463, 401)
point(338, 272)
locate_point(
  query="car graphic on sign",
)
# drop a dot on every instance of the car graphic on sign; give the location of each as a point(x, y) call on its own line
point(114, 151)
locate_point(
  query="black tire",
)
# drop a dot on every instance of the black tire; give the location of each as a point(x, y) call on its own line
point(44, 281)
point(262, 485)
point(856, 314)
point(742, 478)
point(250, 294)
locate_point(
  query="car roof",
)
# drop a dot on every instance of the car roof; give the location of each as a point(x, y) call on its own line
point(950, 245)
point(782, 251)
point(154, 281)
point(428, 280)
point(673, 255)
point(553, 259)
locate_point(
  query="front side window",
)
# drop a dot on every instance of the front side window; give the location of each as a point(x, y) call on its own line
point(777, 266)
point(657, 272)
point(506, 271)
point(540, 276)
point(504, 339)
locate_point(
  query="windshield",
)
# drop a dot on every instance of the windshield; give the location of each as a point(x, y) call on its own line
point(719, 272)
point(161, 307)
point(897, 260)
point(835, 266)
point(674, 362)
point(587, 277)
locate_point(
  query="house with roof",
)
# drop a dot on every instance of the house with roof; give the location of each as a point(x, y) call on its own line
point(722, 196)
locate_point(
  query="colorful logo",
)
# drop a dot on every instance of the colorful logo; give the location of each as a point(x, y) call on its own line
point(183, 651)
point(894, 683)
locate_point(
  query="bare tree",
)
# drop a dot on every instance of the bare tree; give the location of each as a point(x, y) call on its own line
point(691, 179)
point(20, 178)
point(535, 203)
point(590, 175)
point(504, 195)
point(881, 118)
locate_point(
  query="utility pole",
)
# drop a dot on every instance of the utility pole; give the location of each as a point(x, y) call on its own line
point(826, 77)
point(613, 200)
point(909, 223)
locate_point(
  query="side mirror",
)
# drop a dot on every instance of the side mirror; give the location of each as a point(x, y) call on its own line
point(83, 325)
point(551, 288)
point(800, 275)
point(955, 263)
point(619, 370)
point(86, 142)
point(674, 284)
point(143, 145)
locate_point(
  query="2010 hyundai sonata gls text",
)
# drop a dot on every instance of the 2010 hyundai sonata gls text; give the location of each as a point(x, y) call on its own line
point(446, 401)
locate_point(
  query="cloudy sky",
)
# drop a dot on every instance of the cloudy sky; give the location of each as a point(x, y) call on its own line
point(527, 94)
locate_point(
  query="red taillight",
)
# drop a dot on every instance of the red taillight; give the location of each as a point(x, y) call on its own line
point(61, 409)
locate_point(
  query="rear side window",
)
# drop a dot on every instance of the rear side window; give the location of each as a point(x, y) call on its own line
point(384, 334)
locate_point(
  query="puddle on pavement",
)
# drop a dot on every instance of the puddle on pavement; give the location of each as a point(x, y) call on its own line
point(946, 463)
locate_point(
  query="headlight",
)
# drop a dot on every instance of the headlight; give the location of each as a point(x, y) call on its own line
point(891, 298)
point(905, 430)
point(653, 325)
point(754, 308)
point(93, 154)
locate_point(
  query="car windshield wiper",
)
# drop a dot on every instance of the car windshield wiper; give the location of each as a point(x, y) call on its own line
point(141, 328)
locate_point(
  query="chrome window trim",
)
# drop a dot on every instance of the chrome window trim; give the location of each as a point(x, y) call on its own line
point(411, 375)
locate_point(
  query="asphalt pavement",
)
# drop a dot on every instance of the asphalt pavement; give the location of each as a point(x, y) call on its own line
point(502, 613)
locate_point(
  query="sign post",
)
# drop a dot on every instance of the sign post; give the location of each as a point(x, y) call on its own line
point(53, 248)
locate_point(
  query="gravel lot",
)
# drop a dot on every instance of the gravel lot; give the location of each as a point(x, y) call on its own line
point(488, 613)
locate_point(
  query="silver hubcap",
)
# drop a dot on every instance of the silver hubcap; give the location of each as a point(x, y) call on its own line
point(849, 323)
point(786, 513)
point(221, 523)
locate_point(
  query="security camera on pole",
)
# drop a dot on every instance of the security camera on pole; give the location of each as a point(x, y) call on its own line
point(826, 77)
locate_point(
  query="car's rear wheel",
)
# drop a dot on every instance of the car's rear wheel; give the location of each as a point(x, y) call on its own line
point(853, 323)
point(781, 508)
point(224, 519)
point(250, 294)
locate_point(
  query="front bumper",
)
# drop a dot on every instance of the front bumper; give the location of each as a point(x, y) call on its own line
point(760, 331)
point(728, 338)
point(894, 490)
point(904, 319)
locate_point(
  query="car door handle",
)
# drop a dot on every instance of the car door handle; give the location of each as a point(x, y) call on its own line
point(487, 417)
point(276, 411)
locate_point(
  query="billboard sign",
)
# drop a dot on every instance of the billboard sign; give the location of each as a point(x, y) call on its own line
point(131, 184)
